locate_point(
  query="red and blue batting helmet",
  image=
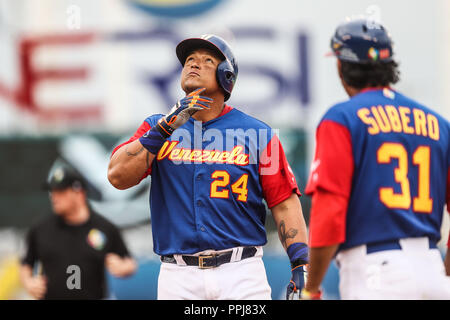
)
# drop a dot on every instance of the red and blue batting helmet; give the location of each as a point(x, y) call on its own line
point(362, 41)
point(227, 70)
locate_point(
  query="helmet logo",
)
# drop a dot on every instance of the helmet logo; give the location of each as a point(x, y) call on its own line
point(373, 54)
point(336, 45)
point(384, 53)
point(58, 175)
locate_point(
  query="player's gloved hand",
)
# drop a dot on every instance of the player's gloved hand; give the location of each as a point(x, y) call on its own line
point(154, 138)
point(298, 255)
point(297, 283)
point(182, 111)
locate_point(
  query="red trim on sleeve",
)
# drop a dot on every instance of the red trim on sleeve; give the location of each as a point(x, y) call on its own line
point(330, 184)
point(139, 132)
point(332, 168)
point(276, 176)
point(327, 219)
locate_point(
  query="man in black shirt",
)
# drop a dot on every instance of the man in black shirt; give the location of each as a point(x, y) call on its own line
point(73, 246)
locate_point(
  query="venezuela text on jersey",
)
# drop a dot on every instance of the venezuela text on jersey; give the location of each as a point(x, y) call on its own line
point(235, 156)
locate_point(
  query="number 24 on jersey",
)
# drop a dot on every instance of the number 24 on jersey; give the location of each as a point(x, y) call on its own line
point(219, 187)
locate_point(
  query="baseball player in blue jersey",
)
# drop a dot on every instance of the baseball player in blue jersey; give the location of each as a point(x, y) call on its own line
point(211, 167)
point(379, 180)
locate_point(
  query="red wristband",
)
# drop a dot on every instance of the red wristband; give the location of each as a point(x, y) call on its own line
point(306, 295)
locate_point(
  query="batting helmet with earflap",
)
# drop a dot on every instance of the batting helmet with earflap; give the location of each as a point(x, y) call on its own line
point(227, 70)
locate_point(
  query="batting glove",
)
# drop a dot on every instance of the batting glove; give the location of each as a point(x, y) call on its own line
point(182, 111)
point(154, 138)
point(298, 255)
point(297, 283)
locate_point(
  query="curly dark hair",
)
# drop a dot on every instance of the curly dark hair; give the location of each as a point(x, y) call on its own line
point(373, 74)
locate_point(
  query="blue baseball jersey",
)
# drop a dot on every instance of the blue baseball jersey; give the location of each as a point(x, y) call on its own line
point(382, 160)
point(209, 180)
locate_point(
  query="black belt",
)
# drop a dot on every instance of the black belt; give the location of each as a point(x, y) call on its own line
point(210, 260)
point(390, 245)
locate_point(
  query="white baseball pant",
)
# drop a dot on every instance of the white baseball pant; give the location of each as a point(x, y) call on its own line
point(415, 272)
point(237, 280)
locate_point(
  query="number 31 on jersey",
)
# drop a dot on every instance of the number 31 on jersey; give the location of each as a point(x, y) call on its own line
point(421, 158)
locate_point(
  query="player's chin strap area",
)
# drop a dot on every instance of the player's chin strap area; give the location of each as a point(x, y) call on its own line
point(211, 260)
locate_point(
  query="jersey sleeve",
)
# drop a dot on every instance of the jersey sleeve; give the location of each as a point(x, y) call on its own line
point(117, 243)
point(330, 184)
point(276, 176)
point(327, 219)
point(332, 168)
point(144, 127)
point(30, 256)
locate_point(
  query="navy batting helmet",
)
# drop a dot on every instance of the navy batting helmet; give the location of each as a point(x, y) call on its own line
point(362, 41)
point(227, 70)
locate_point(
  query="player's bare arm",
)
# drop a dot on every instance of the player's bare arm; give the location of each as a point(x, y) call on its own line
point(128, 164)
point(120, 266)
point(319, 261)
point(291, 226)
point(292, 232)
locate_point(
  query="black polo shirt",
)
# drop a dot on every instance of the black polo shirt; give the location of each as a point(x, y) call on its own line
point(68, 251)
